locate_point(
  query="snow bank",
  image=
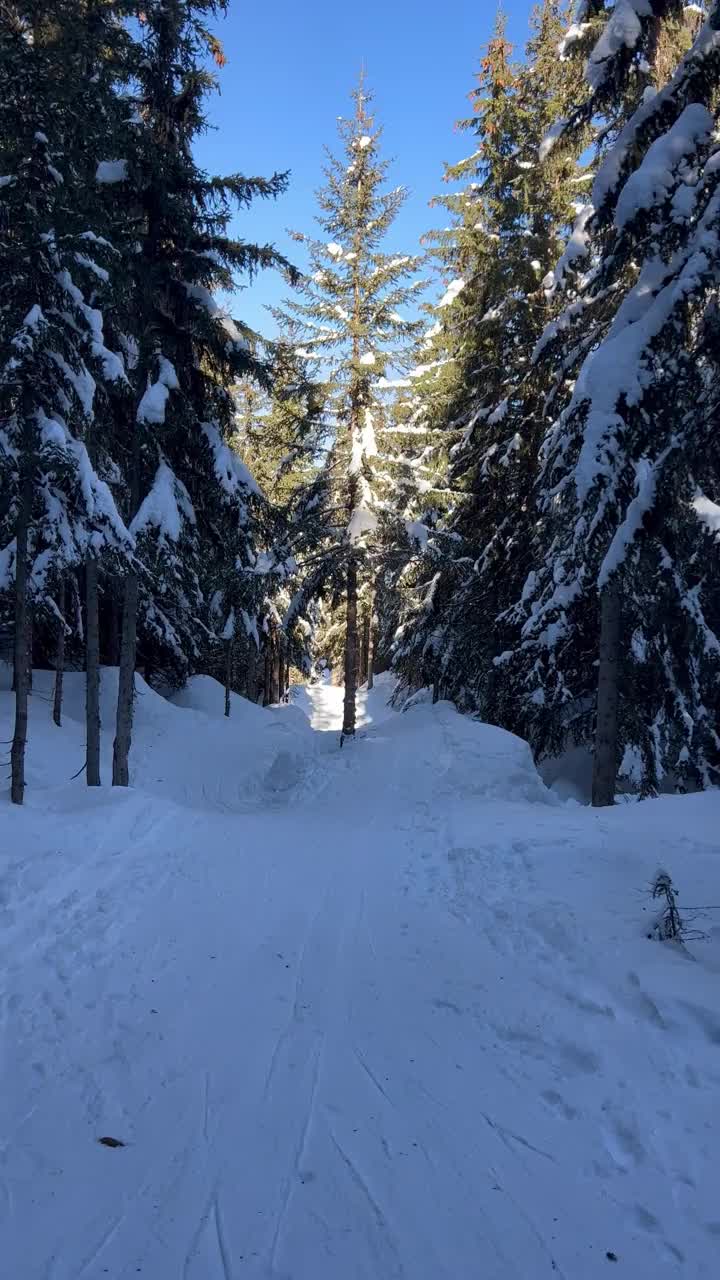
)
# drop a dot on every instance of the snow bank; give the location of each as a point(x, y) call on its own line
point(185, 751)
point(446, 754)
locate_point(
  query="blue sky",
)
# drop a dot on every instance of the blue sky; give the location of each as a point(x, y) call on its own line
point(291, 67)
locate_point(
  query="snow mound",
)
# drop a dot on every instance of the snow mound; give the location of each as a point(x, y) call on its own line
point(203, 693)
point(185, 750)
point(455, 753)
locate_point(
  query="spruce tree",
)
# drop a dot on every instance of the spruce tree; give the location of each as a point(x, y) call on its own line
point(351, 328)
point(52, 349)
point(508, 219)
point(188, 498)
point(630, 451)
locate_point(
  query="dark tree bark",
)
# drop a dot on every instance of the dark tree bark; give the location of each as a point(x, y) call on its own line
point(22, 646)
point(436, 689)
point(281, 670)
point(59, 658)
point(275, 671)
point(365, 651)
point(126, 684)
point(92, 677)
point(228, 674)
point(114, 623)
point(605, 759)
point(351, 650)
point(267, 672)
point(374, 637)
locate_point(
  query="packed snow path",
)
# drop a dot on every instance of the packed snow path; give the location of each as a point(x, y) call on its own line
point(360, 1014)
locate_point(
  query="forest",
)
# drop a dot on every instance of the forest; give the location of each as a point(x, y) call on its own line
point(359, 664)
point(506, 494)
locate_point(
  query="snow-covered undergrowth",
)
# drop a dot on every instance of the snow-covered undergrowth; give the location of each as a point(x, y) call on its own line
point(385, 1011)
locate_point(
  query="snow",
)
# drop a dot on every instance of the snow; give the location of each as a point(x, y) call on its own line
point(646, 476)
point(454, 288)
point(555, 132)
point(575, 249)
point(368, 357)
point(335, 250)
point(656, 176)
point(376, 1012)
point(205, 299)
point(230, 471)
point(111, 171)
point(707, 512)
point(655, 104)
point(623, 29)
point(364, 142)
point(166, 508)
point(154, 402)
point(575, 32)
point(418, 531)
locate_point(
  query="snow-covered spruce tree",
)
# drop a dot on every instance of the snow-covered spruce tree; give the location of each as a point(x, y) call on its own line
point(508, 220)
point(189, 498)
point(55, 509)
point(630, 459)
point(412, 501)
point(350, 324)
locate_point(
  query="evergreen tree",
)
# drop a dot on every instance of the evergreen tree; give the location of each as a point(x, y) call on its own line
point(189, 499)
point(508, 220)
point(629, 463)
point(349, 323)
point(56, 509)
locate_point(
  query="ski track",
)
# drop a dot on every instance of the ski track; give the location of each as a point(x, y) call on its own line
point(377, 1024)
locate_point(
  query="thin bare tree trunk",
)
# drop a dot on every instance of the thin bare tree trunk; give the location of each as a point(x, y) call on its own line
point(281, 672)
point(228, 674)
point(436, 689)
point(267, 691)
point(126, 684)
point(275, 671)
point(605, 759)
point(365, 662)
point(374, 636)
point(351, 650)
point(114, 637)
point(59, 658)
point(92, 677)
point(22, 626)
point(31, 643)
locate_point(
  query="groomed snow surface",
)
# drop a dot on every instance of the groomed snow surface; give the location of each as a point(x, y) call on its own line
point(385, 1012)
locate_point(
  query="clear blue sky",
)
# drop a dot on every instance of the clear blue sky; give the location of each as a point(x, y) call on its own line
point(291, 67)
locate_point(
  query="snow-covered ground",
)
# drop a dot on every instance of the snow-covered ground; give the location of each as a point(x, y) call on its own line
point(362, 1014)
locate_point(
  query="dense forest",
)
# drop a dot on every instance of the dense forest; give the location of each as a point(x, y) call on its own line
point(508, 495)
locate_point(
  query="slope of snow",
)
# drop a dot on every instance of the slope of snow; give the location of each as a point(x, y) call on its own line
point(405, 1023)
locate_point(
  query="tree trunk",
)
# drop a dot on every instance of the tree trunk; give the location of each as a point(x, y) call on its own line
point(365, 663)
point(436, 689)
point(351, 651)
point(92, 677)
point(267, 672)
point(22, 627)
point(275, 672)
point(605, 761)
point(114, 624)
point(281, 672)
point(59, 658)
point(30, 644)
point(126, 684)
point(228, 675)
point(374, 630)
